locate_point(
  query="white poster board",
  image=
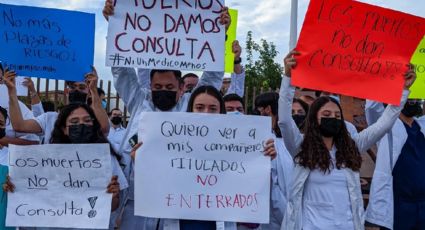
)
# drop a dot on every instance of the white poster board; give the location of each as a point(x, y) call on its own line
point(60, 186)
point(182, 35)
point(203, 167)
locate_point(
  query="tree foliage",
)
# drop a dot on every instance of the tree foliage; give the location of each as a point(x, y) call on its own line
point(262, 72)
point(261, 69)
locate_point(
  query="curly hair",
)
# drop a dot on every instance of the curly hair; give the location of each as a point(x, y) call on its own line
point(315, 155)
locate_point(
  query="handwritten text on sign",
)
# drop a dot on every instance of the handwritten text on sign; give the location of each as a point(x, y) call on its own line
point(363, 51)
point(60, 186)
point(167, 35)
point(205, 167)
point(47, 43)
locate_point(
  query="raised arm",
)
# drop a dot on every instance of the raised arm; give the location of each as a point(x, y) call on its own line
point(290, 133)
point(127, 86)
point(144, 78)
point(96, 105)
point(368, 137)
point(237, 84)
point(18, 122)
point(36, 106)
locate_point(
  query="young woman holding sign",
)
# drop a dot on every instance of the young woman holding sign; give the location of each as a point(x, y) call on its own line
point(204, 99)
point(77, 124)
point(326, 191)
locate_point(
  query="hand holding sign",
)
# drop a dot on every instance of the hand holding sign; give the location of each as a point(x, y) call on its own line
point(9, 80)
point(290, 62)
point(409, 77)
point(8, 186)
point(108, 9)
point(362, 50)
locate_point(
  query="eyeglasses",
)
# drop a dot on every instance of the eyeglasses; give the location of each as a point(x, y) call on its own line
point(78, 121)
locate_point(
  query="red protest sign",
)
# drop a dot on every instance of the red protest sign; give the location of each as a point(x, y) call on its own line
point(356, 49)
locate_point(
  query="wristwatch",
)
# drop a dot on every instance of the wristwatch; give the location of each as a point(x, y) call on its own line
point(238, 61)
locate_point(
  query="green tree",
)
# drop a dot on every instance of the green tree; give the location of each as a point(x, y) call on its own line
point(262, 72)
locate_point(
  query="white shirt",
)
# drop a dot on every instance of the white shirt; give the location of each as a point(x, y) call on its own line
point(326, 203)
point(26, 114)
point(46, 121)
point(115, 136)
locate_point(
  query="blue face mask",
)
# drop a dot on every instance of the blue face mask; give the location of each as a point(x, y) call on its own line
point(234, 113)
point(104, 104)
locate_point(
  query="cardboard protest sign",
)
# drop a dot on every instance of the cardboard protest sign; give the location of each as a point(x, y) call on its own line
point(206, 167)
point(231, 36)
point(417, 91)
point(355, 49)
point(3, 198)
point(60, 186)
point(184, 35)
point(46, 43)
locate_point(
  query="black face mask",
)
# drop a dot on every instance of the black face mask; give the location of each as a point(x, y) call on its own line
point(76, 96)
point(2, 133)
point(299, 120)
point(412, 109)
point(116, 120)
point(330, 127)
point(164, 99)
point(81, 134)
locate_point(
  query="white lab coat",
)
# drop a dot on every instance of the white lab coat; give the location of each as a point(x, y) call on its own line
point(380, 210)
point(138, 100)
point(293, 139)
point(282, 169)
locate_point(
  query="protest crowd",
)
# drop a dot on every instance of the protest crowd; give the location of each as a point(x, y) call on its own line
point(310, 154)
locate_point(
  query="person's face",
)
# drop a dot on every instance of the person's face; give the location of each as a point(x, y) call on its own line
point(78, 116)
point(190, 83)
point(205, 103)
point(297, 109)
point(164, 81)
point(233, 106)
point(329, 110)
point(2, 121)
point(116, 113)
point(78, 86)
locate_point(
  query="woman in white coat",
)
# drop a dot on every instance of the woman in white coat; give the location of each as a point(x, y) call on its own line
point(326, 191)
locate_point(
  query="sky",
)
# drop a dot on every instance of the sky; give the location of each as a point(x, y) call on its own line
point(267, 19)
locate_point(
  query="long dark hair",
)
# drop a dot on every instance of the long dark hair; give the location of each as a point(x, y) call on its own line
point(210, 90)
point(59, 137)
point(315, 155)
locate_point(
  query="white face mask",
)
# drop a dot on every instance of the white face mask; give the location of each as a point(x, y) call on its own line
point(234, 113)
